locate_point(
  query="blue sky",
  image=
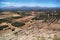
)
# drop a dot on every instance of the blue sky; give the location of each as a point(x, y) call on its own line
point(30, 3)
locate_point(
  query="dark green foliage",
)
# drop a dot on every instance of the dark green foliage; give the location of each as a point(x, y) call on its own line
point(17, 17)
point(2, 27)
point(18, 24)
point(24, 14)
point(4, 20)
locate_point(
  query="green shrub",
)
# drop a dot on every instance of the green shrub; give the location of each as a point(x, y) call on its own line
point(18, 24)
point(2, 27)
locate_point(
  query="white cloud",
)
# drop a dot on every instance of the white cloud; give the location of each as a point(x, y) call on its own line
point(16, 4)
point(10, 4)
point(26, 4)
point(6, 3)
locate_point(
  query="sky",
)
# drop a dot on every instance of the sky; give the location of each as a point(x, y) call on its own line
point(30, 3)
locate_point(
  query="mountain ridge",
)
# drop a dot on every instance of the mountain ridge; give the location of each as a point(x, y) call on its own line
point(28, 8)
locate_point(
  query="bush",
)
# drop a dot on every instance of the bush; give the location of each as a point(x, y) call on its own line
point(18, 24)
point(2, 27)
point(4, 20)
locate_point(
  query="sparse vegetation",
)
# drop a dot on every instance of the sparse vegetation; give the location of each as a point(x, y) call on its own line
point(56, 37)
point(32, 26)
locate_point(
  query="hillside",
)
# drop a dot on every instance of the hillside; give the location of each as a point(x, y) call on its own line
point(29, 25)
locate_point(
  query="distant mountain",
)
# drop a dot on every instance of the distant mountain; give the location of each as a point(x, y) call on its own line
point(27, 8)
